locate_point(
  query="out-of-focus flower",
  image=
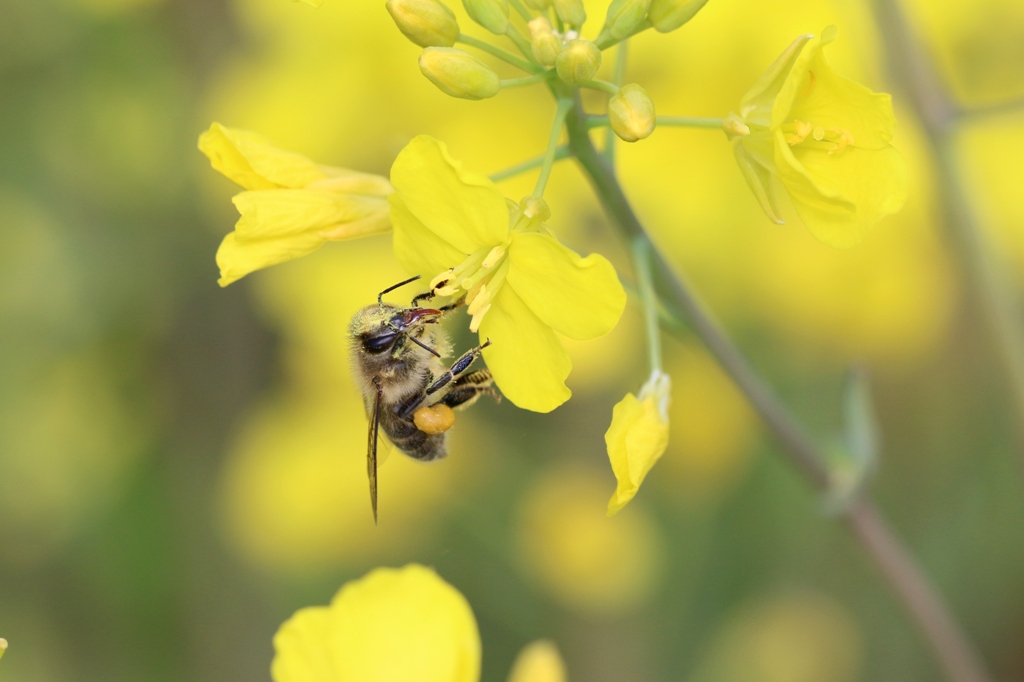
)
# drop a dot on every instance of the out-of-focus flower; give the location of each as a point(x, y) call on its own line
point(314, 3)
point(459, 74)
point(668, 15)
point(631, 113)
point(826, 138)
point(428, 23)
point(292, 206)
point(571, 12)
point(521, 285)
point(578, 62)
point(491, 14)
point(3, 648)
point(638, 436)
point(583, 559)
point(538, 662)
point(623, 17)
point(392, 624)
point(543, 41)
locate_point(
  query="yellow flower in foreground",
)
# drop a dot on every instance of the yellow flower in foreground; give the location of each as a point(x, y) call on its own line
point(826, 138)
point(638, 437)
point(392, 624)
point(521, 285)
point(292, 206)
point(538, 662)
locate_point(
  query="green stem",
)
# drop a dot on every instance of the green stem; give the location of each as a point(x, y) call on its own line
point(690, 122)
point(526, 80)
point(522, 43)
point(649, 299)
point(499, 53)
point(925, 606)
point(617, 77)
point(610, 88)
point(561, 153)
point(564, 105)
point(523, 12)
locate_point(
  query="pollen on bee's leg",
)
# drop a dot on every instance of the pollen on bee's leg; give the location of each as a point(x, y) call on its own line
point(434, 419)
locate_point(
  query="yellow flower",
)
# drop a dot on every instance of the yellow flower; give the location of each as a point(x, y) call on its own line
point(637, 437)
point(392, 624)
point(826, 138)
point(538, 662)
point(292, 205)
point(521, 285)
point(3, 646)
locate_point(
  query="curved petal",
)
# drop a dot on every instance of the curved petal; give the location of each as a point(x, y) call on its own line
point(236, 257)
point(302, 648)
point(758, 177)
point(417, 248)
point(756, 105)
point(254, 163)
point(464, 209)
point(283, 212)
point(526, 357)
point(404, 624)
point(636, 439)
point(841, 196)
point(579, 297)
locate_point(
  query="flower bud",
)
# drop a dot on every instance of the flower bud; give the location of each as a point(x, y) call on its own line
point(459, 73)
point(534, 208)
point(578, 61)
point(539, 4)
point(491, 14)
point(631, 113)
point(570, 11)
point(428, 23)
point(546, 45)
point(623, 17)
point(668, 15)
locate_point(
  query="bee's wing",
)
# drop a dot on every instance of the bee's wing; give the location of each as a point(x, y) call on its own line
point(371, 445)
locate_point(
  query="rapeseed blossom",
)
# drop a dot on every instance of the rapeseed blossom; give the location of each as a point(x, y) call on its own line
point(538, 662)
point(292, 205)
point(826, 138)
point(637, 437)
point(523, 287)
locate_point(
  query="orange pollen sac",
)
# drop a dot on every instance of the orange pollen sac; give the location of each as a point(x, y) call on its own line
point(434, 419)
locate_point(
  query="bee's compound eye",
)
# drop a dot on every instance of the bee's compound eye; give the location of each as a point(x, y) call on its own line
point(379, 344)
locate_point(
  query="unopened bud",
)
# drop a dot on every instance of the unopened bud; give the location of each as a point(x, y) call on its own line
point(624, 16)
point(491, 14)
point(428, 23)
point(578, 61)
point(734, 126)
point(546, 45)
point(459, 73)
point(535, 208)
point(570, 11)
point(631, 113)
point(668, 15)
point(539, 4)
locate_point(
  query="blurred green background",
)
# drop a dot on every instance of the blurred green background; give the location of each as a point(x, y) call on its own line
point(182, 467)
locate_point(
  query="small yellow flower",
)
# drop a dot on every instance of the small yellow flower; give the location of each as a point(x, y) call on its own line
point(392, 624)
point(521, 285)
point(292, 206)
point(637, 437)
point(538, 662)
point(3, 646)
point(826, 138)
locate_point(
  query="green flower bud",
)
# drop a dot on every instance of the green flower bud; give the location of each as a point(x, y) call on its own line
point(459, 73)
point(668, 15)
point(624, 16)
point(546, 45)
point(578, 61)
point(491, 14)
point(428, 23)
point(631, 113)
point(539, 4)
point(570, 11)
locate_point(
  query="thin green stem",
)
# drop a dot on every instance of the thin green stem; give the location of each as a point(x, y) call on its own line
point(522, 43)
point(649, 300)
point(690, 122)
point(617, 77)
point(499, 53)
point(610, 88)
point(593, 121)
point(926, 607)
point(564, 105)
point(523, 12)
point(526, 80)
point(561, 153)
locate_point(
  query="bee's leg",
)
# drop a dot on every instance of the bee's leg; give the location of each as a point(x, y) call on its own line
point(467, 389)
point(457, 368)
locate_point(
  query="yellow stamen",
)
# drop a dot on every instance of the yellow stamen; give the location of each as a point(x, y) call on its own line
point(802, 130)
point(443, 277)
point(845, 140)
point(477, 298)
point(474, 324)
point(819, 133)
point(493, 257)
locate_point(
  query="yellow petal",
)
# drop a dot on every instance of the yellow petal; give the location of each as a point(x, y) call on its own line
point(403, 624)
point(283, 212)
point(462, 208)
point(841, 196)
point(236, 258)
point(756, 105)
point(758, 177)
point(637, 437)
point(347, 181)
point(419, 250)
point(526, 357)
point(579, 297)
point(538, 662)
point(302, 651)
point(254, 163)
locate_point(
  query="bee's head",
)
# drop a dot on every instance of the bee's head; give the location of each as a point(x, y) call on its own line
point(376, 329)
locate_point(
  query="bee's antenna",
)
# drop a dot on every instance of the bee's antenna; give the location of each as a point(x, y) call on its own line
point(380, 296)
point(424, 346)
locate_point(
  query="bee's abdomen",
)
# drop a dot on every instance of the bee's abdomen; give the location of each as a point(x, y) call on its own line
point(410, 440)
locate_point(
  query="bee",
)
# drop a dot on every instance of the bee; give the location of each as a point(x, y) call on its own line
point(408, 390)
